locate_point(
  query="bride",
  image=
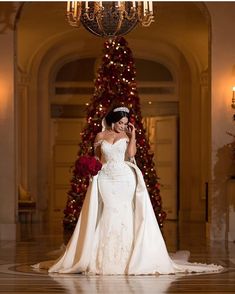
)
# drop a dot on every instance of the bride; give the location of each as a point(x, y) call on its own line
point(117, 232)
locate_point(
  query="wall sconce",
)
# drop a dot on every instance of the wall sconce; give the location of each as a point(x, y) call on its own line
point(233, 98)
point(233, 101)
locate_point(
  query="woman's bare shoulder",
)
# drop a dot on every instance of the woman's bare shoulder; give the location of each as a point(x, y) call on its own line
point(100, 136)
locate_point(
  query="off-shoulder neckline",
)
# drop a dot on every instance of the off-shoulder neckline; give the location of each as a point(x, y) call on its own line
point(103, 140)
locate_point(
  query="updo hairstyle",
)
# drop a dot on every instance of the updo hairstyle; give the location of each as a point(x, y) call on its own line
point(115, 116)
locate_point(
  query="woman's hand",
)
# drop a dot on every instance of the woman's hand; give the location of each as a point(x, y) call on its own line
point(131, 130)
point(131, 149)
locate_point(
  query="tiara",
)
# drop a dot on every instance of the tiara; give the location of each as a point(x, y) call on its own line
point(124, 109)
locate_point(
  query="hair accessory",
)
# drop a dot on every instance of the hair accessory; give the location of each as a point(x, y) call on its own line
point(124, 109)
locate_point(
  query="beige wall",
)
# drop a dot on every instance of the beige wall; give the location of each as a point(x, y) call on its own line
point(8, 196)
point(223, 78)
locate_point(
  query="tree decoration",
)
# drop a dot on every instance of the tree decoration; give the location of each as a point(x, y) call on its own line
point(115, 85)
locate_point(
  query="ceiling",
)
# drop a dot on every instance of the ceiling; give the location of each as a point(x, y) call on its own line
point(182, 25)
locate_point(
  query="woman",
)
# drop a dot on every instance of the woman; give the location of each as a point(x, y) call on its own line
point(117, 232)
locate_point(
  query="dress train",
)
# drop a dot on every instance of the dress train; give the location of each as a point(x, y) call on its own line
point(117, 232)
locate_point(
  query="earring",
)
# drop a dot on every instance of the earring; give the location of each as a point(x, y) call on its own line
point(112, 126)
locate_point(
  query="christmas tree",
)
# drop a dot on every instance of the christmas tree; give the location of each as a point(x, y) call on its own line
point(115, 85)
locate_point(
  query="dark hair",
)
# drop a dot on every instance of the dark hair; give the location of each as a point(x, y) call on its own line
point(113, 117)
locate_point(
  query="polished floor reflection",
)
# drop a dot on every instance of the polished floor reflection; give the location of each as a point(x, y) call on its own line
point(40, 242)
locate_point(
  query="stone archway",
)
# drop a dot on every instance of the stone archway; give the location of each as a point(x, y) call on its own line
point(185, 65)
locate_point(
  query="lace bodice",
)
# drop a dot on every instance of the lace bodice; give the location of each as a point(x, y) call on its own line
point(113, 152)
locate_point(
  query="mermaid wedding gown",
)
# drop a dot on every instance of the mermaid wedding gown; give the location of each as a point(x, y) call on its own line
point(117, 232)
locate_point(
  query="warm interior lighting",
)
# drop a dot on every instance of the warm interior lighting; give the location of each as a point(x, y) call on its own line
point(109, 18)
point(5, 94)
point(233, 98)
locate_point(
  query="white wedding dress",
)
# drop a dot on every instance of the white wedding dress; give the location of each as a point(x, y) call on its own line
point(117, 232)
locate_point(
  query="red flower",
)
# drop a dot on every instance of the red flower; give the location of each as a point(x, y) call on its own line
point(87, 166)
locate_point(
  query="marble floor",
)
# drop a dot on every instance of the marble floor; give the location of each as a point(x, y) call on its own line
point(38, 242)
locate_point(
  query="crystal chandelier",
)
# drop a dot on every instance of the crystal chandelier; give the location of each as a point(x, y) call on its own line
point(109, 18)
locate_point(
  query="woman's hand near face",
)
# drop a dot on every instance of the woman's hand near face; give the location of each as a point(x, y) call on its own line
point(131, 149)
point(131, 130)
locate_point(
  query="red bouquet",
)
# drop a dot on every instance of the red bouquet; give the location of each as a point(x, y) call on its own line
point(87, 165)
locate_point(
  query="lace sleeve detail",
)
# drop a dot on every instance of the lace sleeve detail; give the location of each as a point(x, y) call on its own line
point(96, 144)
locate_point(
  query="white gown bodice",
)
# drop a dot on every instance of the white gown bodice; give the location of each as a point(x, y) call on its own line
point(113, 159)
point(113, 152)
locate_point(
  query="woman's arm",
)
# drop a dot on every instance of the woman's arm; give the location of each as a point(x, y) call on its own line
point(131, 148)
point(97, 142)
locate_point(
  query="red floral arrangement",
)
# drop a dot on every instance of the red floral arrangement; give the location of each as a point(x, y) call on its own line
point(87, 165)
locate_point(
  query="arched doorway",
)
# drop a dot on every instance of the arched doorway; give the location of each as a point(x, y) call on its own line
point(165, 43)
point(73, 90)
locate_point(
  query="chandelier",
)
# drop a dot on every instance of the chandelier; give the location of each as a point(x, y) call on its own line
point(109, 18)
